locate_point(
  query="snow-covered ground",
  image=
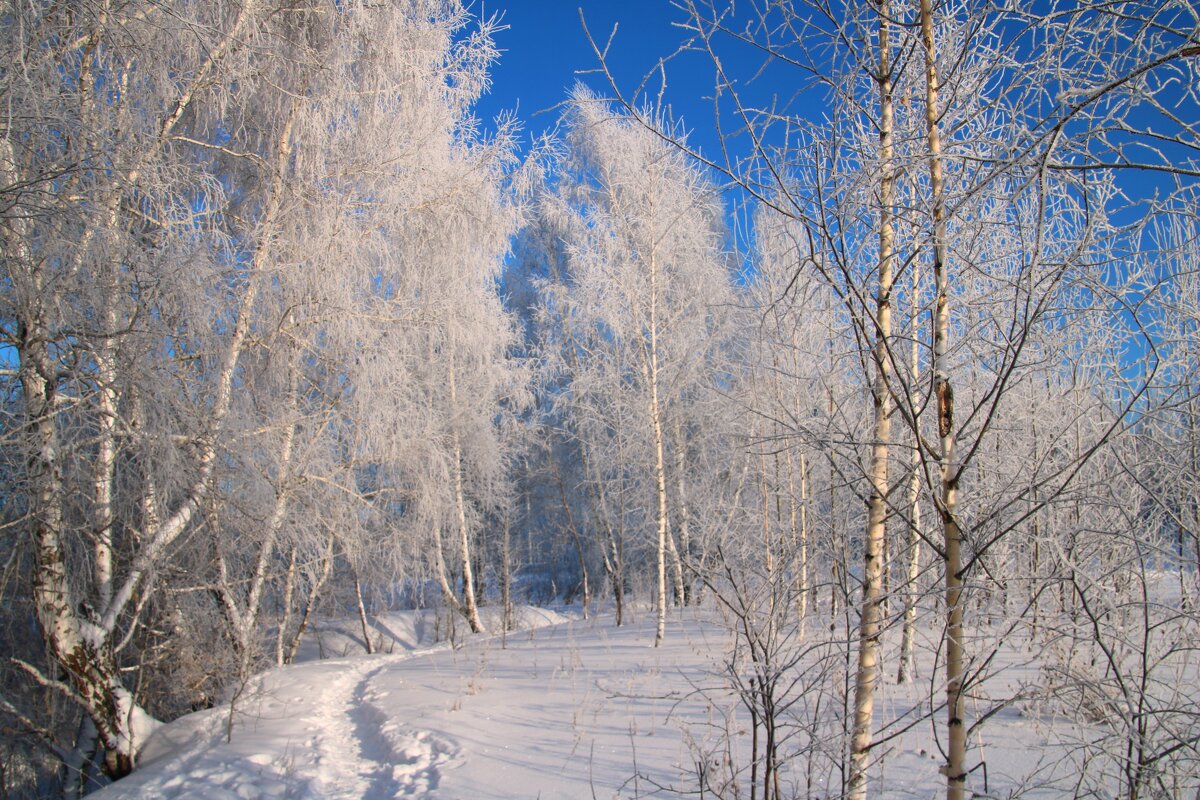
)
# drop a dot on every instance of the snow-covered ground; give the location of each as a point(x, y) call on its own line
point(561, 709)
point(565, 708)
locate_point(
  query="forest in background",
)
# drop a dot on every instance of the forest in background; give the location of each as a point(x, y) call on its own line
point(287, 332)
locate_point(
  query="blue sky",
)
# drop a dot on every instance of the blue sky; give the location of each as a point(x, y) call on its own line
point(546, 52)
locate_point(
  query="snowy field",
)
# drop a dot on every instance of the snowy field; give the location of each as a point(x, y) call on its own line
point(565, 708)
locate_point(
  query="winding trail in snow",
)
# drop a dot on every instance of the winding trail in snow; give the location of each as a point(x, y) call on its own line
point(361, 752)
point(353, 727)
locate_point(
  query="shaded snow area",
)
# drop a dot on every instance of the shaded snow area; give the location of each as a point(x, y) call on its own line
point(564, 709)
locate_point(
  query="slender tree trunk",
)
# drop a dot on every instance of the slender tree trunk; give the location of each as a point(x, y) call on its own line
point(614, 555)
point(439, 567)
point(660, 471)
point(104, 226)
point(579, 551)
point(676, 568)
point(1189, 601)
point(106, 457)
point(1035, 534)
point(241, 621)
point(506, 575)
point(310, 603)
point(244, 620)
point(886, 565)
point(833, 528)
point(914, 506)
point(469, 607)
point(867, 672)
point(613, 547)
point(800, 531)
point(802, 578)
point(768, 544)
point(362, 615)
point(285, 616)
point(470, 603)
point(947, 506)
point(687, 576)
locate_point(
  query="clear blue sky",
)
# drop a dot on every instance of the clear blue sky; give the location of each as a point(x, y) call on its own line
point(546, 52)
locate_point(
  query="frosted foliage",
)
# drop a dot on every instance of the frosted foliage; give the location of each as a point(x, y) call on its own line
point(641, 216)
point(245, 245)
point(937, 400)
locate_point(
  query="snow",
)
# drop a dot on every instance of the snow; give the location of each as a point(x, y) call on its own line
point(567, 708)
point(559, 711)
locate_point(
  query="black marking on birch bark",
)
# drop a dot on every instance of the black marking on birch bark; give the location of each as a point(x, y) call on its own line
point(945, 398)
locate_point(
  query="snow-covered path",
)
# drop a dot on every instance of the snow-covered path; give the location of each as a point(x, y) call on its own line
point(565, 711)
point(359, 751)
point(313, 730)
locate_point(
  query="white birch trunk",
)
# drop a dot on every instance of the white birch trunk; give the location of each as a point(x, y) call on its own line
point(660, 472)
point(867, 671)
point(362, 616)
point(913, 572)
point(470, 609)
point(285, 617)
point(310, 603)
point(686, 574)
point(799, 521)
point(77, 644)
point(947, 503)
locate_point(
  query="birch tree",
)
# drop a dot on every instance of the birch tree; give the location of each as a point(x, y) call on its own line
point(1007, 135)
point(648, 276)
point(157, 187)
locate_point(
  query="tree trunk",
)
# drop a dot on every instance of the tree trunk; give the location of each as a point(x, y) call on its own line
point(687, 576)
point(439, 567)
point(470, 609)
point(613, 548)
point(506, 576)
point(914, 506)
point(583, 570)
point(869, 631)
point(311, 602)
point(676, 568)
point(106, 458)
point(660, 473)
point(768, 544)
point(799, 514)
point(244, 620)
point(285, 616)
point(362, 616)
point(470, 603)
point(947, 505)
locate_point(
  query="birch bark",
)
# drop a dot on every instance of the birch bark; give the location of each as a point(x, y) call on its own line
point(867, 671)
point(947, 501)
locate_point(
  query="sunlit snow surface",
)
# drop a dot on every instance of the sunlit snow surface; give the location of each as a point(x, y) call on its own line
point(564, 709)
